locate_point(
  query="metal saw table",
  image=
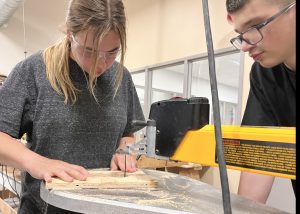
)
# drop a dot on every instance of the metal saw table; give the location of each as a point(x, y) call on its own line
point(175, 194)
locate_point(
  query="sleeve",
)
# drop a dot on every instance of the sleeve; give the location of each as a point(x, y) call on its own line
point(258, 111)
point(134, 109)
point(13, 102)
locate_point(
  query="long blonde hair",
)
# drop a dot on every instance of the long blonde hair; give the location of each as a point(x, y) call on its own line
point(101, 16)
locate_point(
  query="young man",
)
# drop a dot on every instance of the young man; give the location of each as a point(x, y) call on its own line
point(267, 31)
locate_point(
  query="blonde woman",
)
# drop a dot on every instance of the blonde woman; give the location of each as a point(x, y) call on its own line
point(74, 101)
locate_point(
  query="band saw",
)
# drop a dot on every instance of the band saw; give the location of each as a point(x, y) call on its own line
point(179, 130)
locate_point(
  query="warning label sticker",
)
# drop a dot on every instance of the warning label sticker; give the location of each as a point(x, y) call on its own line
point(260, 155)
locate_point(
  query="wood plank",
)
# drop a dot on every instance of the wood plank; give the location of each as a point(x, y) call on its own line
point(190, 172)
point(5, 193)
point(145, 162)
point(5, 208)
point(107, 180)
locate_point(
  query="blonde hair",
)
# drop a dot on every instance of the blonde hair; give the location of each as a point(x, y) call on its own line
point(101, 16)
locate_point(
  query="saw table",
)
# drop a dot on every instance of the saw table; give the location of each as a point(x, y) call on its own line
point(174, 194)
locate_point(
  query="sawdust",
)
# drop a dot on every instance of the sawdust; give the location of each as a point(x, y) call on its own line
point(173, 193)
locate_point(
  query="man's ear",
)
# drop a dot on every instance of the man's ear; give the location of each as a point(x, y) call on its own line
point(68, 33)
point(229, 18)
point(63, 28)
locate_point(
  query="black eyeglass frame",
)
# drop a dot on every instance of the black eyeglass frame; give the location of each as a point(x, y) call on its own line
point(240, 38)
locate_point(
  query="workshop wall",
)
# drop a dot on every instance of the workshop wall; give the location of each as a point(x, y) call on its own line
point(42, 21)
point(172, 29)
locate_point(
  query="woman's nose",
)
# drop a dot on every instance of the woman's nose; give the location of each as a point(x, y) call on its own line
point(102, 59)
point(101, 64)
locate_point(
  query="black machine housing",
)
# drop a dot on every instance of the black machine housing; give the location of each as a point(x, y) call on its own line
point(174, 118)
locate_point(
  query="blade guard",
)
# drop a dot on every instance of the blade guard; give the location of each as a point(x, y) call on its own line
point(174, 118)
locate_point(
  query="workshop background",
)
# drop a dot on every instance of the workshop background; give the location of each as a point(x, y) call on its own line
point(167, 57)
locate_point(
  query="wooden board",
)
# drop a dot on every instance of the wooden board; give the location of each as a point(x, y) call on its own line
point(151, 163)
point(5, 208)
point(107, 180)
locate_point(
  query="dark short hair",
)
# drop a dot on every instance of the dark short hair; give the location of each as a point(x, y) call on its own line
point(234, 5)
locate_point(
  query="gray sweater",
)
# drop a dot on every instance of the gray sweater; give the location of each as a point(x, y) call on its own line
point(86, 133)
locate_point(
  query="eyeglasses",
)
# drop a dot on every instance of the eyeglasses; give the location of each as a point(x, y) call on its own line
point(90, 53)
point(253, 35)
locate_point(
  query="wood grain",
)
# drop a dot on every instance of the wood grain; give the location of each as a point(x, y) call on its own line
point(5, 208)
point(107, 180)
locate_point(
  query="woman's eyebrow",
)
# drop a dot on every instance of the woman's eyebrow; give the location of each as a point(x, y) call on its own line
point(112, 50)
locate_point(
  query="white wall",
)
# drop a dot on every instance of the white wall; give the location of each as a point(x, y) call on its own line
point(171, 29)
point(168, 80)
point(225, 92)
point(42, 21)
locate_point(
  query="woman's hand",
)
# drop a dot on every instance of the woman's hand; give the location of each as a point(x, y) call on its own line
point(46, 169)
point(118, 160)
point(15, 154)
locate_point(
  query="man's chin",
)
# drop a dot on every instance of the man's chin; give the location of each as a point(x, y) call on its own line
point(268, 64)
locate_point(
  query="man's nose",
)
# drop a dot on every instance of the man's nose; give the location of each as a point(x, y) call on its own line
point(245, 47)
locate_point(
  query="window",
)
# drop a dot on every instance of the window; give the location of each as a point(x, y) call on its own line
point(167, 82)
point(228, 79)
point(189, 77)
point(139, 82)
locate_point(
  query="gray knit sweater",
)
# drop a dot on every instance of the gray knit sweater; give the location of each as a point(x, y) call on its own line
point(86, 133)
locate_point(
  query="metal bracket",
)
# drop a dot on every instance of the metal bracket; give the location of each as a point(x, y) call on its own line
point(145, 146)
